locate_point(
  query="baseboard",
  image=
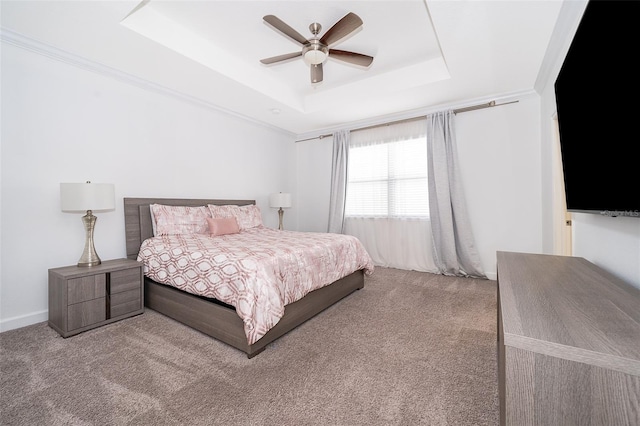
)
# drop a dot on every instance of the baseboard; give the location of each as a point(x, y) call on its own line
point(23, 321)
point(492, 275)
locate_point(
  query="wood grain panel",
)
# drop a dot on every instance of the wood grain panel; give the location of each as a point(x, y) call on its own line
point(573, 309)
point(86, 313)
point(546, 390)
point(568, 343)
point(223, 322)
point(125, 296)
point(127, 279)
point(86, 288)
point(126, 308)
point(57, 303)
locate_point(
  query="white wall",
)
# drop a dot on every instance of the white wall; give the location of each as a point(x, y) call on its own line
point(499, 153)
point(313, 165)
point(65, 124)
point(613, 243)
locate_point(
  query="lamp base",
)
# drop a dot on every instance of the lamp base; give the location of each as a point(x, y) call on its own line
point(89, 256)
point(280, 215)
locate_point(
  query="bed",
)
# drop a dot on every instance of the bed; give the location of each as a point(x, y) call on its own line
point(216, 316)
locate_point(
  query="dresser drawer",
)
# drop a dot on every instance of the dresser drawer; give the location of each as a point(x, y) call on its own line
point(86, 288)
point(127, 279)
point(86, 313)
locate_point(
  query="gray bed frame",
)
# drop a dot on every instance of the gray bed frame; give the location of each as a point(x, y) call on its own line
point(211, 316)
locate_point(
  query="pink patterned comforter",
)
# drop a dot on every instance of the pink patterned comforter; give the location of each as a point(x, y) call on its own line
point(258, 271)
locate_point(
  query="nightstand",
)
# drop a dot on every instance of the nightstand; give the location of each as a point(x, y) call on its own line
point(82, 298)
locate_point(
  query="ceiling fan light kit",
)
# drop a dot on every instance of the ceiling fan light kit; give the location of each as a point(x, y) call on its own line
point(315, 51)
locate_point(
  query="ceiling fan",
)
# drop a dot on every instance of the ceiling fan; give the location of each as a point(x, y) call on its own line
point(315, 51)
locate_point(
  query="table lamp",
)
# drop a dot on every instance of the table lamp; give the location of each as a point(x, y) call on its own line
point(280, 200)
point(87, 197)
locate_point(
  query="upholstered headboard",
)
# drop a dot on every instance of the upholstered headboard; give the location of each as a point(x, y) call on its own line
point(137, 217)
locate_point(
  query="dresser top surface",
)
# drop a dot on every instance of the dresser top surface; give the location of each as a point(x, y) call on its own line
point(567, 304)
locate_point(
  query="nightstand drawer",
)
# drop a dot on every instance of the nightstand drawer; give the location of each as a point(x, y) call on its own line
point(125, 308)
point(125, 296)
point(125, 302)
point(127, 279)
point(86, 288)
point(86, 313)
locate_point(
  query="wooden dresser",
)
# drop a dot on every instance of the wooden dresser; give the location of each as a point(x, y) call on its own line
point(568, 343)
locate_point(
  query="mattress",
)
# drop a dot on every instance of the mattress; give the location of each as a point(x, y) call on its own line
point(258, 271)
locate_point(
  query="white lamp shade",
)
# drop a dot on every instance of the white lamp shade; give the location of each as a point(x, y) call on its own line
point(80, 197)
point(280, 199)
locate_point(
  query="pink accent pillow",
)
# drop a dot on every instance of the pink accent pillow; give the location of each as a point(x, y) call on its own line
point(172, 220)
point(248, 216)
point(223, 226)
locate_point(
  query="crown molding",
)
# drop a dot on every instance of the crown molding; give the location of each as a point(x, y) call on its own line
point(566, 26)
point(44, 49)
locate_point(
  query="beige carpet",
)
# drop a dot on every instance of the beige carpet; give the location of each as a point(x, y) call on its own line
point(409, 349)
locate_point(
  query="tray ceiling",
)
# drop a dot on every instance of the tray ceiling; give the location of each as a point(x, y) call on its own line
point(426, 54)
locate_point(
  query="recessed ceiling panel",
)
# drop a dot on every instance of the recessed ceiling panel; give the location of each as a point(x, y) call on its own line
point(231, 37)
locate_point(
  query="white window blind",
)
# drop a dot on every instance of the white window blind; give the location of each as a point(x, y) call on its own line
point(388, 172)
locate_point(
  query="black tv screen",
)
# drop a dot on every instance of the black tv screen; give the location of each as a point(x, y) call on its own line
point(597, 96)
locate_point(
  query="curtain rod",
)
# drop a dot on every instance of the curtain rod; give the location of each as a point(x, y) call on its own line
point(455, 111)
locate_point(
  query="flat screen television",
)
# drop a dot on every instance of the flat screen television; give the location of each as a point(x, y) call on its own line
point(597, 98)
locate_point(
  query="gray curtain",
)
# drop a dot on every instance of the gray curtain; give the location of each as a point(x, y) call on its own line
point(454, 248)
point(338, 181)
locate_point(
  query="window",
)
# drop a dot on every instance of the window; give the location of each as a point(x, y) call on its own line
point(388, 175)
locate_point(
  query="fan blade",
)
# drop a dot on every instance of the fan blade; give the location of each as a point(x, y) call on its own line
point(316, 73)
point(280, 58)
point(285, 29)
point(349, 23)
point(351, 57)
